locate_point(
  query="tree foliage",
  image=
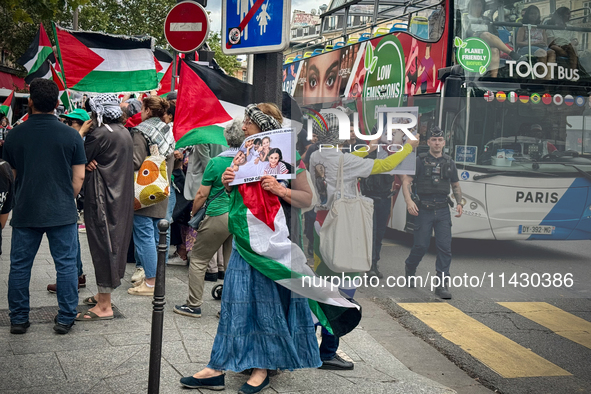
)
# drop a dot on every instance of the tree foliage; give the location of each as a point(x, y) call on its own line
point(19, 21)
point(230, 64)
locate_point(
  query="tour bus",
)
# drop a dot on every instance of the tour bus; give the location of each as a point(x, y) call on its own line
point(507, 83)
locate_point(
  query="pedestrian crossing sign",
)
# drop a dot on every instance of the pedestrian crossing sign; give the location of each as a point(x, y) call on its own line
point(255, 26)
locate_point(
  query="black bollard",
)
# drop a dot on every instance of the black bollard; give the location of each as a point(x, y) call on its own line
point(158, 313)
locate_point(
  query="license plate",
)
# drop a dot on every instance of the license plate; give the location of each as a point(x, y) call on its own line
point(542, 230)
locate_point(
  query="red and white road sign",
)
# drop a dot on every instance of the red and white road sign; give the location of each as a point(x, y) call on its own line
point(186, 27)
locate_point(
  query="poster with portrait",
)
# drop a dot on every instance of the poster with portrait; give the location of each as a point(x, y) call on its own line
point(268, 153)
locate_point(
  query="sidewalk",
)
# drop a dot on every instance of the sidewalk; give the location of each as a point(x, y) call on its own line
point(113, 356)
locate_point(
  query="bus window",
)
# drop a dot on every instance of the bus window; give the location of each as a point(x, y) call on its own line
point(521, 135)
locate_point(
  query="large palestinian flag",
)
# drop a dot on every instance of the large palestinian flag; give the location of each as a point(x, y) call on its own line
point(260, 232)
point(207, 100)
point(164, 59)
point(38, 57)
point(6, 107)
point(105, 63)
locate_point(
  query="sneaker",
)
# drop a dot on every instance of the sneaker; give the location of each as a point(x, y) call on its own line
point(442, 292)
point(141, 290)
point(52, 288)
point(211, 277)
point(337, 363)
point(61, 328)
point(186, 310)
point(19, 328)
point(176, 260)
point(81, 228)
point(138, 276)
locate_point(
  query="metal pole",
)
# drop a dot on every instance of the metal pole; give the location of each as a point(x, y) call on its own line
point(174, 70)
point(250, 69)
point(267, 77)
point(158, 313)
point(75, 19)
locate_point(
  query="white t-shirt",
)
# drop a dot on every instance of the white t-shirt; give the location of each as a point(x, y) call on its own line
point(324, 166)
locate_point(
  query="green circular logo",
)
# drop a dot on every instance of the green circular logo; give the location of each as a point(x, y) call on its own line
point(473, 54)
point(384, 77)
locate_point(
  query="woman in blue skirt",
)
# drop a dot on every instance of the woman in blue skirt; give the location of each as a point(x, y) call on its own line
point(263, 326)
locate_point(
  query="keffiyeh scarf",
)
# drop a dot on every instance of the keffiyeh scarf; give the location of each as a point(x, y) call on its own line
point(105, 105)
point(156, 132)
point(328, 133)
point(262, 120)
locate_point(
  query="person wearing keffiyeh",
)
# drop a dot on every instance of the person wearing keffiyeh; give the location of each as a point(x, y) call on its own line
point(152, 131)
point(108, 192)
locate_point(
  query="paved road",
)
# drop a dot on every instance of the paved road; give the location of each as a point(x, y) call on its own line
point(515, 338)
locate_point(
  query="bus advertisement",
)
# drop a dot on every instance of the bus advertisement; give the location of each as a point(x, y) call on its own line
point(507, 84)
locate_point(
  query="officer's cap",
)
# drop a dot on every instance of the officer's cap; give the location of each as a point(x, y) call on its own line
point(436, 132)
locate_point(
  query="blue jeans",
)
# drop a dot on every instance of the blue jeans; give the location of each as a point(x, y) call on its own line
point(330, 343)
point(169, 210)
point(63, 246)
point(438, 220)
point(145, 238)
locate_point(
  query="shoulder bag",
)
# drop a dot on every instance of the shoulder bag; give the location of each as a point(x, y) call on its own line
point(200, 214)
point(346, 236)
point(151, 184)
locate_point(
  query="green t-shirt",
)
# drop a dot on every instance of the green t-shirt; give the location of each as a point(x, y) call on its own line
point(213, 177)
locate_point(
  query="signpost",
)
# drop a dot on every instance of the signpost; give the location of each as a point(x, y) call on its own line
point(250, 26)
point(186, 27)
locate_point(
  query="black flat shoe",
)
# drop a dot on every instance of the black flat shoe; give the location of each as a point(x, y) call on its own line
point(214, 383)
point(19, 328)
point(211, 277)
point(337, 363)
point(248, 389)
point(61, 328)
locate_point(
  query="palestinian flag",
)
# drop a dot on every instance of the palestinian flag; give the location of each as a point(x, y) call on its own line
point(24, 118)
point(512, 97)
point(63, 94)
point(207, 100)
point(164, 59)
point(258, 224)
point(105, 63)
point(7, 107)
point(38, 57)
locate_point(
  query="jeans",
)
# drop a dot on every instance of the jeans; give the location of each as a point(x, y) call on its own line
point(330, 343)
point(169, 210)
point(145, 238)
point(381, 215)
point(438, 220)
point(63, 247)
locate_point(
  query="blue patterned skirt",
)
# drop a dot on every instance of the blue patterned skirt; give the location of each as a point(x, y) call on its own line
point(262, 325)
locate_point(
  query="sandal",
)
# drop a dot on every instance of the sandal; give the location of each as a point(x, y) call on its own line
point(91, 301)
point(92, 317)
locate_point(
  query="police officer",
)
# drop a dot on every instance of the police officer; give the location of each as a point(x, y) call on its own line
point(435, 172)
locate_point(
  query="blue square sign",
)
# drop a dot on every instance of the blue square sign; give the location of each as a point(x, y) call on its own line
point(466, 154)
point(255, 26)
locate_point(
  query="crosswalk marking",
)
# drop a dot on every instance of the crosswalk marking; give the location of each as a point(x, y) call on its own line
point(562, 323)
point(499, 353)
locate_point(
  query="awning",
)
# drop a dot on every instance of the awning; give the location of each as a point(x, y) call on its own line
point(9, 81)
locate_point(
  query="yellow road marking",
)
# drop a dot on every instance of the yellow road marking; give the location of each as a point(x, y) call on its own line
point(499, 353)
point(562, 323)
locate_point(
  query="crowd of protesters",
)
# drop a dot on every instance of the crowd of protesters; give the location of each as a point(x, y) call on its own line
point(262, 326)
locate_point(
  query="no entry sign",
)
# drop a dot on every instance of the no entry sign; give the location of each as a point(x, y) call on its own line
point(186, 27)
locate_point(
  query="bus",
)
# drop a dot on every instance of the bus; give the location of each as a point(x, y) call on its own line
point(506, 81)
